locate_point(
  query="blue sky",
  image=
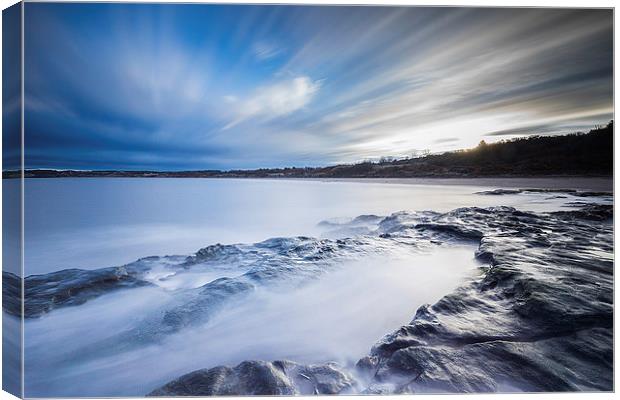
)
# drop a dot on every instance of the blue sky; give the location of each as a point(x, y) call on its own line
point(173, 86)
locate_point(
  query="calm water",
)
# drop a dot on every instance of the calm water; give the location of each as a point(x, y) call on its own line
point(93, 223)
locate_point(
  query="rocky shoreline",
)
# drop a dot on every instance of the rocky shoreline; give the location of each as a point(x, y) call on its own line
point(540, 319)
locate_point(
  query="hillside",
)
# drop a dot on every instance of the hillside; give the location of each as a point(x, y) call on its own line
point(585, 154)
point(574, 154)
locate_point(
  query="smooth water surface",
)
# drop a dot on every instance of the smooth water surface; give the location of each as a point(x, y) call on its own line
point(101, 222)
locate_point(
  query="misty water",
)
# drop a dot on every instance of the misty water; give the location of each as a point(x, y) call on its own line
point(93, 223)
point(333, 309)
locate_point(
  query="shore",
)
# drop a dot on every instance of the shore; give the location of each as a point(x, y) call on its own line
point(599, 184)
point(595, 183)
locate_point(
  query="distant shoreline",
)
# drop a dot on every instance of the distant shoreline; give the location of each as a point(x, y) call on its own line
point(595, 183)
point(575, 155)
point(577, 182)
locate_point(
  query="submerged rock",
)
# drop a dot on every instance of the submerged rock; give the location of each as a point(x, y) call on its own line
point(500, 192)
point(573, 192)
point(261, 378)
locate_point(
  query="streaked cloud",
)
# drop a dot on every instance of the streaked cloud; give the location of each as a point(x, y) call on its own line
point(266, 50)
point(273, 101)
point(210, 86)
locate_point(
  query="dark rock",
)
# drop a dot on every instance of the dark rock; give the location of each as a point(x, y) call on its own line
point(500, 192)
point(207, 300)
point(260, 378)
point(593, 212)
point(540, 318)
point(70, 287)
point(11, 293)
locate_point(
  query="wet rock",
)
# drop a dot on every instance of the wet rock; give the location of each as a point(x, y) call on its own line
point(572, 192)
point(593, 212)
point(72, 287)
point(368, 365)
point(260, 378)
point(540, 317)
point(11, 293)
point(452, 230)
point(217, 252)
point(500, 192)
point(205, 303)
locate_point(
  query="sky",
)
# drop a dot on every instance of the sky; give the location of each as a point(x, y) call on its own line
point(189, 86)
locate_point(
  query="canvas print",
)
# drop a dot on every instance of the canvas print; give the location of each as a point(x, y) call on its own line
point(220, 199)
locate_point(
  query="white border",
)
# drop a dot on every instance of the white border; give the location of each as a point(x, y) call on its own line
point(475, 3)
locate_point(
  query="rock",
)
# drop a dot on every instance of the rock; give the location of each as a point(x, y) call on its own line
point(540, 317)
point(71, 287)
point(594, 212)
point(260, 378)
point(537, 317)
point(11, 293)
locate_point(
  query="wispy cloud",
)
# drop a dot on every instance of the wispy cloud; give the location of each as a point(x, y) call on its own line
point(265, 50)
point(275, 100)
